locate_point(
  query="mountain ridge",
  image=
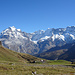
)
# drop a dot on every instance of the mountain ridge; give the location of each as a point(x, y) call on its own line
point(55, 52)
point(37, 42)
point(69, 55)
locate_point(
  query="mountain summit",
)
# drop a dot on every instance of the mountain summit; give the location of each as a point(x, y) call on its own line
point(37, 42)
point(17, 40)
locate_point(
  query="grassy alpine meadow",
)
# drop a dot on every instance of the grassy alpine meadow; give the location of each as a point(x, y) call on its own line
point(49, 68)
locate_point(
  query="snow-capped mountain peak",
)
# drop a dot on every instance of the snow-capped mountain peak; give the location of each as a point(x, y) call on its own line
point(12, 28)
point(16, 40)
point(64, 34)
point(60, 33)
point(13, 33)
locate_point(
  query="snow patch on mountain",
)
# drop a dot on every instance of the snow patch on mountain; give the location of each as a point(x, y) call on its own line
point(18, 29)
point(35, 42)
point(72, 36)
point(60, 37)
point(12, 28)
point(45, 38)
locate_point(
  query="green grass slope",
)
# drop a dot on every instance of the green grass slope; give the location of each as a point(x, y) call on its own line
point(9, 55)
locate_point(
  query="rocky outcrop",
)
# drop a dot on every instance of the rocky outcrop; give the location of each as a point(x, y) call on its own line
point(0, 43)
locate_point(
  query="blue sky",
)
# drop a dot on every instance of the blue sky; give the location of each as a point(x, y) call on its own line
point(33, 15)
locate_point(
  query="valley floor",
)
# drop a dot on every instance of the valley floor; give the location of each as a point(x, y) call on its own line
point(17, 68)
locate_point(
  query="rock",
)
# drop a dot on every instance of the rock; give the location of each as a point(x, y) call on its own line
point(0, 43)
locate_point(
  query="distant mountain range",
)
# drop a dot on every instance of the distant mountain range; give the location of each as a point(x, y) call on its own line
point(39, 41)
